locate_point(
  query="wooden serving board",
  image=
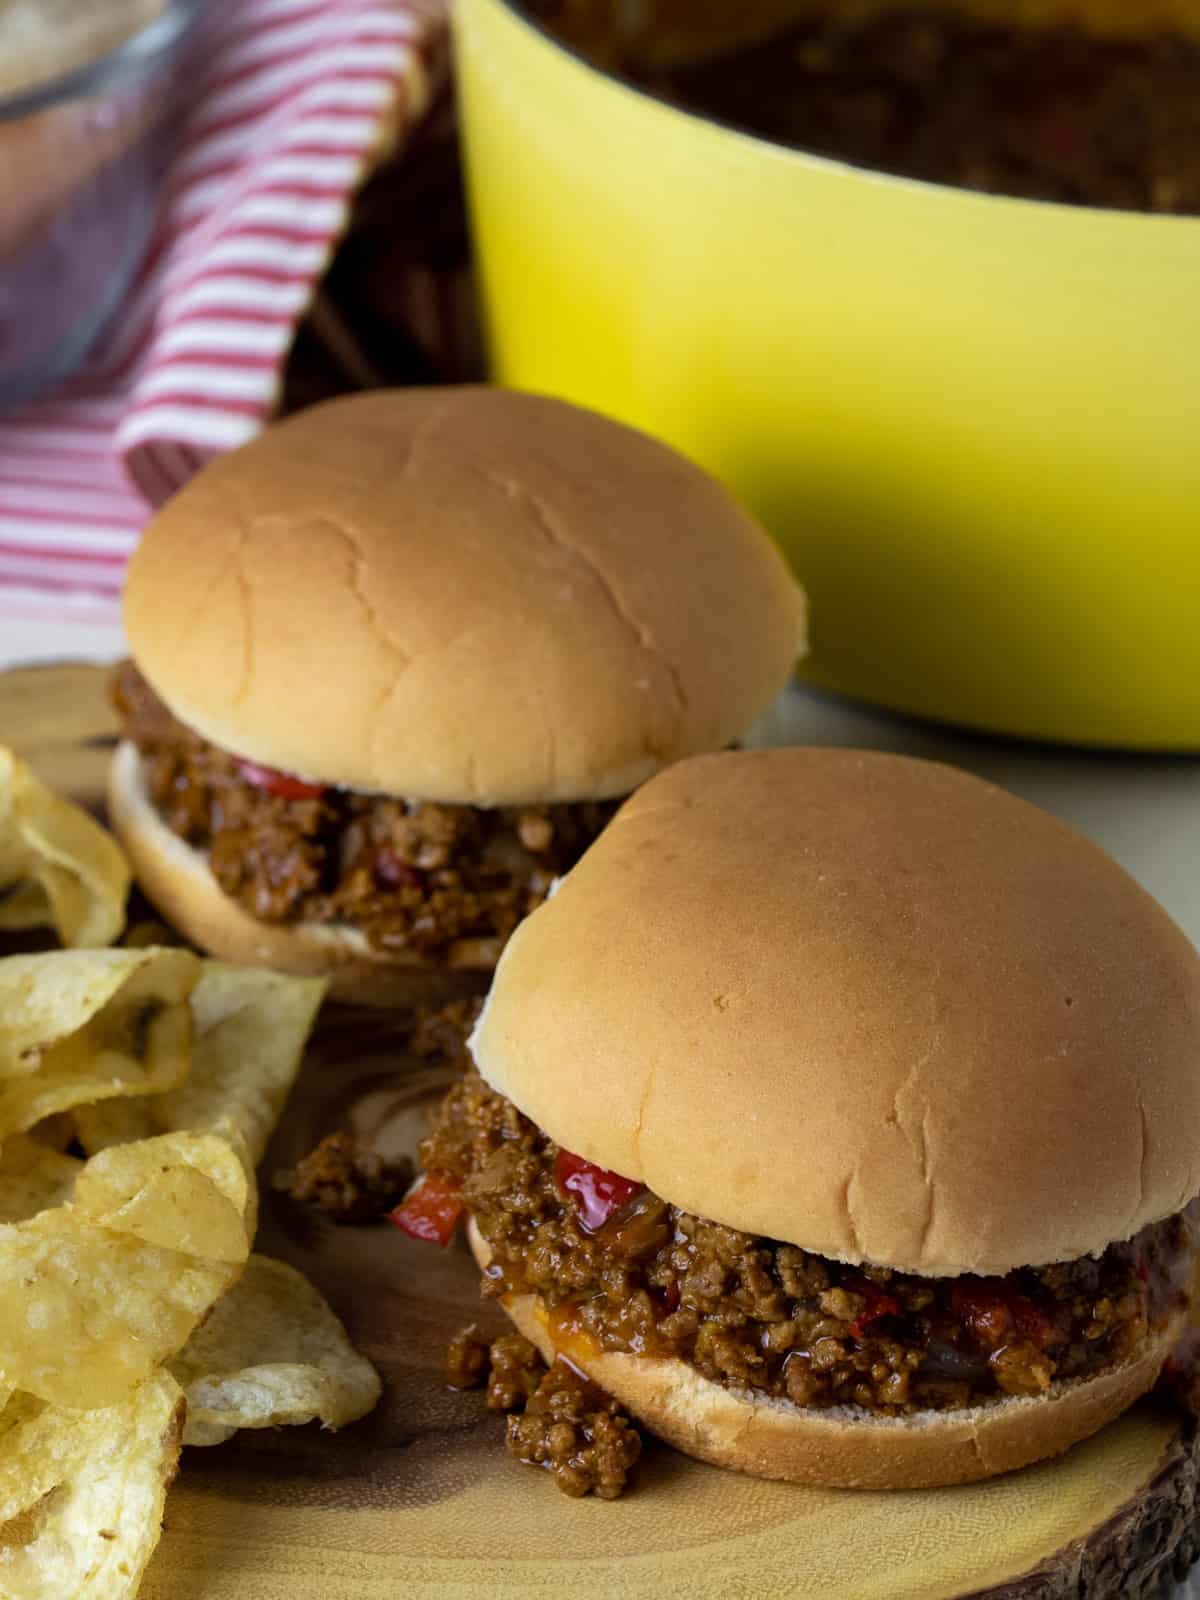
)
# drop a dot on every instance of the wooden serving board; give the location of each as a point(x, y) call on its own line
point(420, 1499)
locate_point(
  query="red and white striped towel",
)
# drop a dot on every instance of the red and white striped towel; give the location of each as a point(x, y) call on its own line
point(289, 104)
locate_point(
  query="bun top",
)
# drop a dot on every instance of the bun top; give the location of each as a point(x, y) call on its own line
point(867, 1005)
point(466, 595)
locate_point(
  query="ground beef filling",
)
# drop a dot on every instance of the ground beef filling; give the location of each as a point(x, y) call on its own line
point(346, 1181)
point(412, 876)
point(349, 1181)
point(557, 1420)
point(753, 1313)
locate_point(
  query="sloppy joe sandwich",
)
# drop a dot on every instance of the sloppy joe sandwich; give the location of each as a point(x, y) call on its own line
point(395, 660)
point(840, 1116)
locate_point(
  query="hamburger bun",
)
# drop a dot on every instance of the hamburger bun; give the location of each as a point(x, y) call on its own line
point(467, 595)
point(866, 1005)
point(844, 1447)
point(177, 880)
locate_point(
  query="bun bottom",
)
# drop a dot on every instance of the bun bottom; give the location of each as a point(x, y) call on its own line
point(845, 1448)
point(177, 880)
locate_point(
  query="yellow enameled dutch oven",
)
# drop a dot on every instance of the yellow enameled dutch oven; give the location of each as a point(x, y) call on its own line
point(972, 422)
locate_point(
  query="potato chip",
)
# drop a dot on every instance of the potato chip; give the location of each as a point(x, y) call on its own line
point(34, 1177)
point(106, 1123)
point(251, 1026)
point(58, 868)
point(36, 1451)
point(149, 931)
point(97, 1293)
point(87, 1314)
point(57, 1131)
point(271, 1352)
point(194, 1192)
point(94, 1484)
point(83, 1025)
point(251, 1029)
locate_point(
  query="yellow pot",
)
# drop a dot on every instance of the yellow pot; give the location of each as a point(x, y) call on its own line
point(973, 423)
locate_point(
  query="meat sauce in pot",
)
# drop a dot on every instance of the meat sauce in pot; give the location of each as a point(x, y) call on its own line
point(1047, 113)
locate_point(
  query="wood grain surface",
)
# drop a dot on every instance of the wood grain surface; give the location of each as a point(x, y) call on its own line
point(420, 1499)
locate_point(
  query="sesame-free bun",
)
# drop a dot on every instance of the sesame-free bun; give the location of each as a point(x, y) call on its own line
point(846, 1447)
point(176, 879)
point(867, 1005)
point(465, 595)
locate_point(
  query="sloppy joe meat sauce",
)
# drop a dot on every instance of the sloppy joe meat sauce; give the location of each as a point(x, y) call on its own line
point(755, 1313)
point(558, 1419)
point(410, 875)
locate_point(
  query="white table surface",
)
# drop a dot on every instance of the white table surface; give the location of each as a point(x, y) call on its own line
point(1145, 812)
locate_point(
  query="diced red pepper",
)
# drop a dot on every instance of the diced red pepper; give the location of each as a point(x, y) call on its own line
point(993, 1312)
point(430, 1210)
point(1143, 1271)
point(597, 1194)
point(984, 1309)
point(879, 1304)
point(280, 784)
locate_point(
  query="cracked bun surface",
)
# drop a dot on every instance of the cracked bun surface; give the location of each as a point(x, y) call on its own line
point(864, 1004)
point(468, 595)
